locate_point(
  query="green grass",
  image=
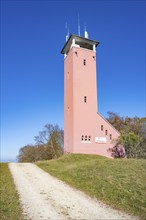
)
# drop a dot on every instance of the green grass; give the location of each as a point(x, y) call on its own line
point(120, 183)
point(9, 201)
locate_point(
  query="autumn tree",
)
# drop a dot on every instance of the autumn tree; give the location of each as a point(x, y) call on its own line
point(127, 124)
point(133, 134)
point(26, 154)
point(48, 145)
point(52, 138)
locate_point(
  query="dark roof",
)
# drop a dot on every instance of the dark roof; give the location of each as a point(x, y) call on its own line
point(83, 42)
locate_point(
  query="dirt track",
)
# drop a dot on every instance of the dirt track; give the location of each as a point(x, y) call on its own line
point(44, 197)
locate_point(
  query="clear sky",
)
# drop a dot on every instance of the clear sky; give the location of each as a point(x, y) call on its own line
point(32, 36)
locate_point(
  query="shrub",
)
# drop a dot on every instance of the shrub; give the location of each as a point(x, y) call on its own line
point(118, 151)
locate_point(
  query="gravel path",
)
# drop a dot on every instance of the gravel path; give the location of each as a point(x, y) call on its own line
point(45, 197)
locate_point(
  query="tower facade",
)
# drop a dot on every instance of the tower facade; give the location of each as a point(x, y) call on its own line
point(85, 130)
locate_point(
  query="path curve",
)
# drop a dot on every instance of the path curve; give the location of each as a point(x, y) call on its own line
point(44, 197)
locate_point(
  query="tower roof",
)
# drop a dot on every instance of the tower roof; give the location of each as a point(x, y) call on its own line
point(81, 41)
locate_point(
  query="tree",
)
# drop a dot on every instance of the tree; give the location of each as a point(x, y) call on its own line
point(133, 134)
point(116, 120)
point(48, 145)
point(52, 137)
point(42, 153)
point(26, 154)
point(127, 124)
point(133, 144)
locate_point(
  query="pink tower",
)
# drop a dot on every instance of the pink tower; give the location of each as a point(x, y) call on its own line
point(85, 130)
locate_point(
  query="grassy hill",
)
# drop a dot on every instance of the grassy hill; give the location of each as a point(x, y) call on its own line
point(119, 183)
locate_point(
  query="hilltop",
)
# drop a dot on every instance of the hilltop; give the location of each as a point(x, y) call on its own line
point(119, 183)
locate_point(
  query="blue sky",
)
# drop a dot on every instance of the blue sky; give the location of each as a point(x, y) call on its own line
point(32, 36)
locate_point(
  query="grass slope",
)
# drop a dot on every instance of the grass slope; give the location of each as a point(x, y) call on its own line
point(119, 183)
point(9, 200)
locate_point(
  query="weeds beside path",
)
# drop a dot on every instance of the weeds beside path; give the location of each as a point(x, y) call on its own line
point(119, 183)
point(9, 201)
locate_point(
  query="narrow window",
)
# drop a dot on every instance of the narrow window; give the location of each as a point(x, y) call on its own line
point(86, 138)
point(85, 99)
point(89, 138)
point(101, 127)
point(105, 132)
point(110, 136)
point(84, 62)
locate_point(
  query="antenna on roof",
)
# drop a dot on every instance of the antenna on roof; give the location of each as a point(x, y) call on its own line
point(78, 25)
point(67, 31)
point(85, 32)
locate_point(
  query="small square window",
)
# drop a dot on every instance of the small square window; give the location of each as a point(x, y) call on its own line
point(82, 138)
point(84, 62)
point(67, 75)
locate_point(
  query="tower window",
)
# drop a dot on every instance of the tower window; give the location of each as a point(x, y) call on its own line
point(101, 127)
point(85, 99)
point(105, 132)
point(82, 138)
point(110, 136)
point(84, 62)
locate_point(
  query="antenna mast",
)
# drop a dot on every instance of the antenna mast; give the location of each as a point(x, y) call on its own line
point(78, 25)
point(85, 32)
point(67, 31)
